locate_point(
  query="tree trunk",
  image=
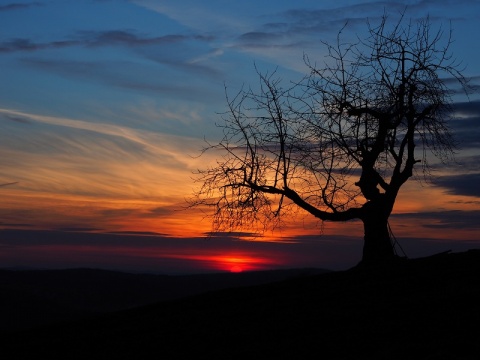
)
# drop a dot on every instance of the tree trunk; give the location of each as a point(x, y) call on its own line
point(377, 248)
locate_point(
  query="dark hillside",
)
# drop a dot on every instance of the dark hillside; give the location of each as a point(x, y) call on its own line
point(419, 309)
point(33, 298)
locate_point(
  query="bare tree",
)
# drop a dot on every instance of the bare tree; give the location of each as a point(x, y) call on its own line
point(340, 143)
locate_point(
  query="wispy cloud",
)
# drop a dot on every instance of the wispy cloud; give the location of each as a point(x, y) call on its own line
point(21, 44)
point(77, 157)
point(173, 65)
point(465, 124)
point(105, 129)
point(19, 6)
point(212, 17)
point(449, 219)
point(302, 29)
point(131, 75)
point(175, 50)
point(96, 39)
point(123, 37)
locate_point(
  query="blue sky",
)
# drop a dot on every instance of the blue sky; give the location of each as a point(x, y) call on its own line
point(104, 104)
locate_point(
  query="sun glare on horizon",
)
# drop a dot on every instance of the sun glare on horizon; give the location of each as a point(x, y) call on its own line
point(239, 263)
point(236, 269)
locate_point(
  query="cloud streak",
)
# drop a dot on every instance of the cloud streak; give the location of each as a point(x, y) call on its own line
point(463, 184)
point(450, 219)
point(19, 6)
point(105, 129)
point(88, 38)
point(180, 58)
point(97, 160)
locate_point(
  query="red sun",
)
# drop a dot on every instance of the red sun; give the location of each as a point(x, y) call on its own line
point(236, 269)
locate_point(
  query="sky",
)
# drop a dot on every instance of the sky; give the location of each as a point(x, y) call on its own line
point(105, 106)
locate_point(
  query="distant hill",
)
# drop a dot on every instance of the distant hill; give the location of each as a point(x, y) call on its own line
point(419, 309)
point(38, 297)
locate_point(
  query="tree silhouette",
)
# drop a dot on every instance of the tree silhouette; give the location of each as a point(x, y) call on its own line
point(340, 143)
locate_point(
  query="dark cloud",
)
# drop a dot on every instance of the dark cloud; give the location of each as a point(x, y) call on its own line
point(18, 6)
point(370, 9)
point(15, 225)
point(257, 36)
point(96, 239)
point(78, 229)
point(466, 124)
point(467, 132)
point(8, 184)
point(52, 237)
point(294, 26)
point(122, 37)
point(452, 219)
point(468, 109)
point(17, 119)
point(179, 53)
point(232, 234)
point(139, 233)
point(420, 247)
point(463, 184)
point(21, 44)
point(304, 27)
point(466, 165)
point(160, 211)
point(307, 20)
point(97, 39)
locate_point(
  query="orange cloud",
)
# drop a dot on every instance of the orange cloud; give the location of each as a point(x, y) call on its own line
point(116, 179)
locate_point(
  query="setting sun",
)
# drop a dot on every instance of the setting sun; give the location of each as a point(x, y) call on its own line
point(236, 269)
point(240, 263)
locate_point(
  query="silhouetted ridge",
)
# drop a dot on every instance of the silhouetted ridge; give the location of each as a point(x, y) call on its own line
point(33, 298)
point(418, 309)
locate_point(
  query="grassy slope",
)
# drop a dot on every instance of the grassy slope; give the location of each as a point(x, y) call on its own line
point(425, 309)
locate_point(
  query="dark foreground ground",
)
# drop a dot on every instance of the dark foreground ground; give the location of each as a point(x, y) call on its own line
point(419, 309)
